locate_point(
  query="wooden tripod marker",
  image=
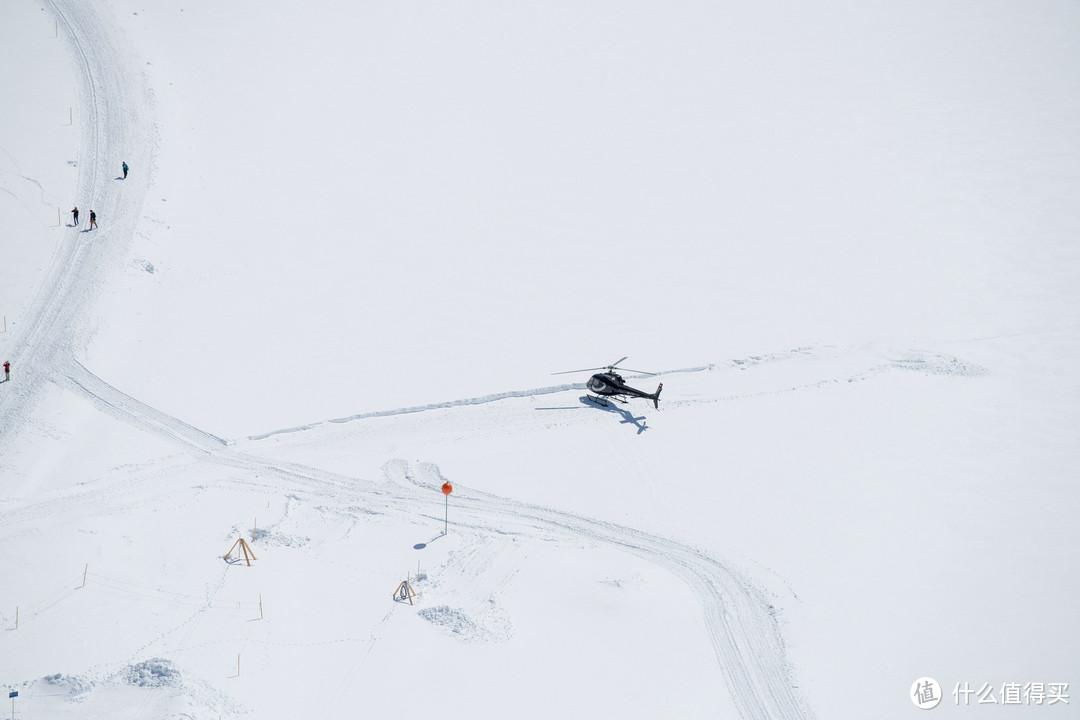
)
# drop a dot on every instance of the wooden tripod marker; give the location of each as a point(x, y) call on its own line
point(244, 548)
point(404, 592)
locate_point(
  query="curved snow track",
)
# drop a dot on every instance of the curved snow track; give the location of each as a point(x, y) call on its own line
point(115, 118)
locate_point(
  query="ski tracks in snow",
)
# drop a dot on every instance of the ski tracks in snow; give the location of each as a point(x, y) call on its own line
point(115, 122)
point(741, 622)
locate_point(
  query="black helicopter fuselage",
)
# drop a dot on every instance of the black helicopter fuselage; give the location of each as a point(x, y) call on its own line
point(611, 384)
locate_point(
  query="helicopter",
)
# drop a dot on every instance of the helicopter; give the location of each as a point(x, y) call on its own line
point(610, 384)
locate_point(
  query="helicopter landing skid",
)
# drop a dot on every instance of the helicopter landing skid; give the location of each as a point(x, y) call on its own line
point(596, 399)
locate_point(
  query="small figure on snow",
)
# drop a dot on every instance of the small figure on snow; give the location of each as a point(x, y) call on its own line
point(93, 220)
point(75, 216)
point(124, 167)
point(7, 371)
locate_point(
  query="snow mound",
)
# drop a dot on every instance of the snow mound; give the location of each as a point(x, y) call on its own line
point(458, 624)
point(278, 539)
point(933, 364)
point(156, 672)
point(74, 685)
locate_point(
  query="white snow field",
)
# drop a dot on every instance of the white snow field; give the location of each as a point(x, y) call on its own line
point(357, 239)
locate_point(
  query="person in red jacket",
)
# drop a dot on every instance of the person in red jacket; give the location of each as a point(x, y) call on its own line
point(7, 371)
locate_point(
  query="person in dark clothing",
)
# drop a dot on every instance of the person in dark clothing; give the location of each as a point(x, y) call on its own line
point(75, 216)
point(124, 167)
point(93, 220)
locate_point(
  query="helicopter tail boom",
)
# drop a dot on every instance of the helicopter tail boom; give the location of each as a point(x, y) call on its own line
point(655, 397)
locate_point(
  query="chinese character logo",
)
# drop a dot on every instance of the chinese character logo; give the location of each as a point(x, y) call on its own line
point(926, 693)
point(1011, 693)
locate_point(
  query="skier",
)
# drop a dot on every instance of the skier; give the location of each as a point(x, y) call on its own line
point(7, 371)
point(125, 169)
point(93, 220)
point(75, 216)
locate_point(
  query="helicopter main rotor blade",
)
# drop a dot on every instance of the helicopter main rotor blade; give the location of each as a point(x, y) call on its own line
point(568, 372)
point(641, 372)
point(615, 366)
point(610, 368)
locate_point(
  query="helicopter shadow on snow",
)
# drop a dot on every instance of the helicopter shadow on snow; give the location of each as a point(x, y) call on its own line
point(627, 417)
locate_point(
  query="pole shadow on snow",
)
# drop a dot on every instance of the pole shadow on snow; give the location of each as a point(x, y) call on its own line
point(422, 545)
point(627, 417)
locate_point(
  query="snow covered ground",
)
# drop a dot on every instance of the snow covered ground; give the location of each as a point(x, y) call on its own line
point(357, 239)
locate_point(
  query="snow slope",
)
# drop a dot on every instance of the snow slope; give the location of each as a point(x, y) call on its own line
point(356, 240)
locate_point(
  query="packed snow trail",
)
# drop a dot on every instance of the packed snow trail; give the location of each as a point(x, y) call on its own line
point(741, 622)
point(115, 117)
point(113, 112)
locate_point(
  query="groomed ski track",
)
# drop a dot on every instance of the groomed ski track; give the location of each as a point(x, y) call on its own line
point(115, 114)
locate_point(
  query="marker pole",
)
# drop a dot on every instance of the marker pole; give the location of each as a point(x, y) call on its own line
point(447, 488)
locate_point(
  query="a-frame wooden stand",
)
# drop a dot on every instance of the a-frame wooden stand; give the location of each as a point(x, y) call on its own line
point(244, 548)
point(404, 592)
